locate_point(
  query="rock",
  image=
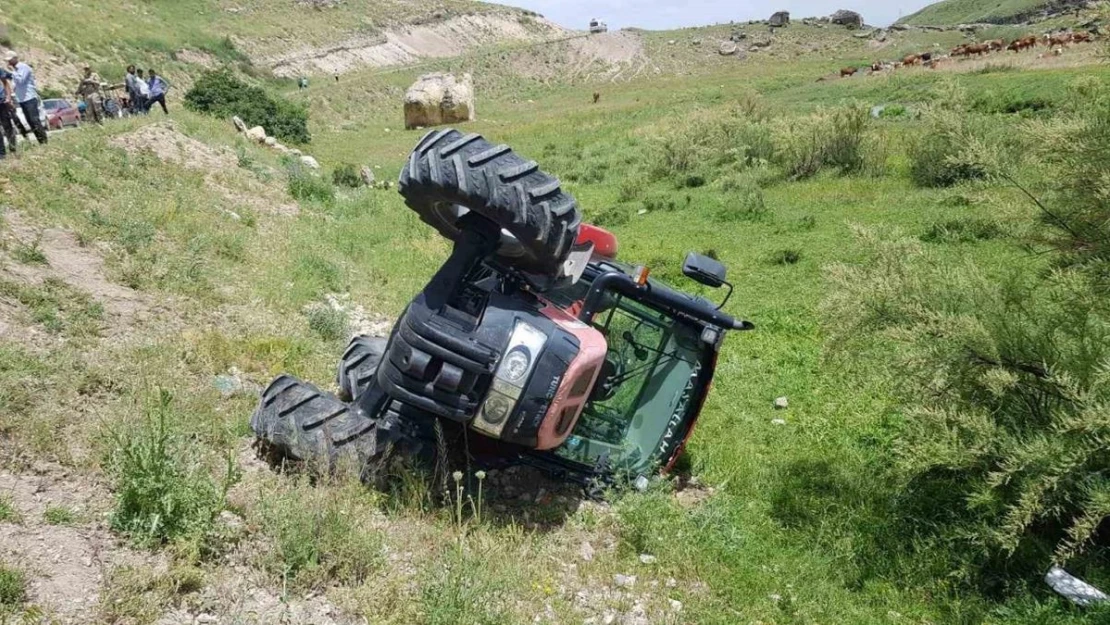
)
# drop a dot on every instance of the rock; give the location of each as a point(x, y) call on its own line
point(270, 141)
point(258, 133)
point(844, 17)
point(778, 421)
point(367, 175)
point(760, 44)
point(676, 605)
point(438, 98)
point(863, 35)
point(309, 162)
point(728, 48)
point(670, 42)
point(240, 125)
point(877, 111)
point(647, 558)
point(281, 148)
point(899, 27)
point(695, 42)
point(609, 619)
point(779, 19)
point(737, 36)
point(206, 618)
point(624, 581)
point(781, 403)
point(295, 152)
point(586, 551)
point(640, 483)
point(227, 385)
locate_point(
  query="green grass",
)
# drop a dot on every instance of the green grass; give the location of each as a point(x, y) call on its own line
point(804, 511)
point(13, 588)
point(952, 12)
point(8, 513)
point(59, 515)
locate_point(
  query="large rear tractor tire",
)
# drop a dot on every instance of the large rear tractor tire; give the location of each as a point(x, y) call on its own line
point(450, 174)
point(359, 365)
point(296, 420)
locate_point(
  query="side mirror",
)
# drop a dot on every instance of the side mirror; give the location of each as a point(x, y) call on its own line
point(704, 270)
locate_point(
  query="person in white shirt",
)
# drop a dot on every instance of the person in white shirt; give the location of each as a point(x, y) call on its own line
point(26, 94)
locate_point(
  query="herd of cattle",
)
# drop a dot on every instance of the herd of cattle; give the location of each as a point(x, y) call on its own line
point(1055, 42)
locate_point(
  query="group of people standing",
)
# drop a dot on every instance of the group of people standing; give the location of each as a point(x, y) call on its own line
point(18, 89)
point(143, 92)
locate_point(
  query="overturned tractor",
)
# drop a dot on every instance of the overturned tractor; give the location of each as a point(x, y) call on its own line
point(532, 342)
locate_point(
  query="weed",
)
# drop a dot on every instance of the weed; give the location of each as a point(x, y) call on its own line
point(322, 534)
point(58, 307)
point(744, 205)
point(8, 513)
point(830, 138)
point(30, 253)
point(163, 490)
point(59, 515)
point(346, 175)
point(308, 187)
point(963, 230)
point(786, 257)
point(13, 587)
point(140, 594)
point(330, 324)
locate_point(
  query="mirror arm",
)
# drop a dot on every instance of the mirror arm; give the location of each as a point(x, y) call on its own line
point(727, 295)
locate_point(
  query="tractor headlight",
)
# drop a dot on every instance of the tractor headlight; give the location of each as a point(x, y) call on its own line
point(520, 355)
point(497, 408)
point(516, 365)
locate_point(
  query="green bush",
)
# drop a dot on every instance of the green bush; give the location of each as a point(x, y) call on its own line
point(963, 230)
point(736, 138)
point(346, 175)
point(330, 324)
point(308, 187)
point(827, 139)
point(163, 490)
point(744, 204)
point(221, 93)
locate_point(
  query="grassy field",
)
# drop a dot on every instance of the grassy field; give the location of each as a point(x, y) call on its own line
point(117, 376)
point(972, 12)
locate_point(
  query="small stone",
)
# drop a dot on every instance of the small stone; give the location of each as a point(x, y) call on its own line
point(624, 581)
point(206, 618)
point(240, 125)
point(258, 133)
point(309, 162)
point(778, 421)
point(781, 403)
point(367, 175)
point(676, 605)
point(776, 598)
point(87, 561)
point(640, 483)
point(642, 211)
point(647, 558)
point(671, 583)
point(586, 552)
point(270, 141)
point(609, 619)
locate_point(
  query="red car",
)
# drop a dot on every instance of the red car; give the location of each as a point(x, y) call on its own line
point(61, 113)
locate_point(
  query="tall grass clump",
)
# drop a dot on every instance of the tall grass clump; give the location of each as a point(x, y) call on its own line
point(708, 141)
point(164, 491)
point(221, 93)
point(937, 156)
point(831, 138)
point(1004, 381)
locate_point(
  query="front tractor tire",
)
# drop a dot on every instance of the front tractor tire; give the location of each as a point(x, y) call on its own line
point(359, 365)
point(450, 174)
point(296, 420)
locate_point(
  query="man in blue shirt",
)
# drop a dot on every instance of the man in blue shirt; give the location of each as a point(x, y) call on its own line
point(158, 89)
point(27, 95)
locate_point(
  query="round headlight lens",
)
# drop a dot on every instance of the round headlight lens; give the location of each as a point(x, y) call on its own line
point(496, 409)
point(515, 366)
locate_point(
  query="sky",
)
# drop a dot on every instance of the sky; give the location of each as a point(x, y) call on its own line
point(667, 14)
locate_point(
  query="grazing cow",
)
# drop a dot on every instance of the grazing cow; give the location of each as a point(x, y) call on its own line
point(996, 44)
point(1081, 37)
point(1028, 41)
point(910, 60)
point(597, 97)
point(846, 72)
point(1059, 39)
point(876, 67)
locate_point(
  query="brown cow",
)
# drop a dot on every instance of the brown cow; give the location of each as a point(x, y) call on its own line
point(846, 72)
point(910, 60)
point(996, 44)
point(1080, 37)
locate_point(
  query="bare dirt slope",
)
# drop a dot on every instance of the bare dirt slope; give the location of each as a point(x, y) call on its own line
point(410, 44)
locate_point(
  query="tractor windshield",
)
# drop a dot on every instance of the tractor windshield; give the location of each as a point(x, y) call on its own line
point(649, 386)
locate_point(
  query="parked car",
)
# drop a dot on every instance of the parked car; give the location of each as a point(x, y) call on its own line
point(60, 113)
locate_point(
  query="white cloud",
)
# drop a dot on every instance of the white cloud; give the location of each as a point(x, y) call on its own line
point(664, 14)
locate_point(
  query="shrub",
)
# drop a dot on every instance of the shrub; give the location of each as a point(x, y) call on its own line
point(59, 515)
point(329, 323)
point(963, 230)
point(163, 490)
point(346, 175)
point(786, 257)
point(735, 138)
point(221, 93)
point(308, 187)
point(745, 204)
point(827, 139)
point(939, 157)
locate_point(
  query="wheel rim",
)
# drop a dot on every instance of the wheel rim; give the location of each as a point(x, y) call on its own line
point(448, 215)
